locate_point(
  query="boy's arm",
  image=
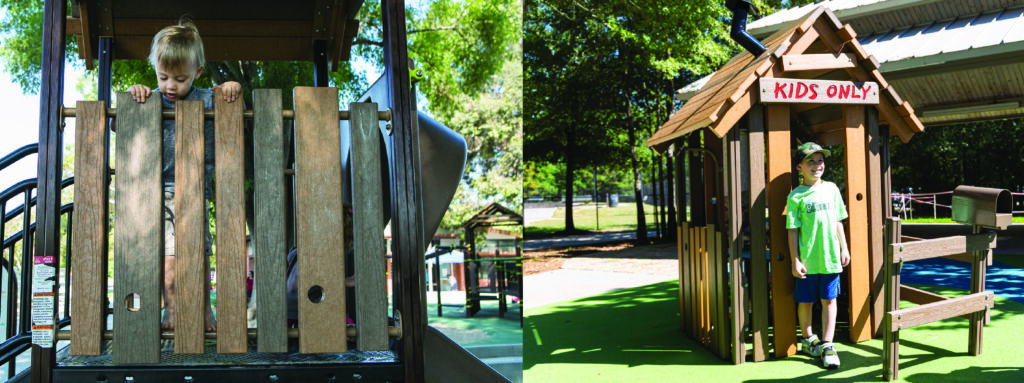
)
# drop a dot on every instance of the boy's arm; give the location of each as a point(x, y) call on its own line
point(799, 270)
point(844, 250)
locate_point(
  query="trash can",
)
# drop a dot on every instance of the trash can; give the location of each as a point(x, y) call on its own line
point(613, 200)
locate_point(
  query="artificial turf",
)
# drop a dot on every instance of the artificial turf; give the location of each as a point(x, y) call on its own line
point(632, 335)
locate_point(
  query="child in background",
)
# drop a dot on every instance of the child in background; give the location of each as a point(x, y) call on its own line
point(817, 243)
point(177, 55)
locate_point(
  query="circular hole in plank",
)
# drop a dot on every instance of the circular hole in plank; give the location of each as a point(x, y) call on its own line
point(132, 302)
point(315, 294)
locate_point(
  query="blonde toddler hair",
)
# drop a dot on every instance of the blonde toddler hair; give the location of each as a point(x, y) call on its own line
point(177, 47)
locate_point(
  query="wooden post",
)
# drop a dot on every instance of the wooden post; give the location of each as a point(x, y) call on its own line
point(977, 325)
point(876, 225)
point(891, 339)
point(758, 240)
point(269, 236)
point(89, 307)
point(319, 221)
point(191, 290)
point(682, 239)
point(698, 219)
point(138, 258)
point(711, 282)
point(857, 232)
point(735, 240)
point(371, 294)
point(779, 185)
point(231, 254)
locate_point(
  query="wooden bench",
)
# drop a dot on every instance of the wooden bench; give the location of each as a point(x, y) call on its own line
point(138, 264)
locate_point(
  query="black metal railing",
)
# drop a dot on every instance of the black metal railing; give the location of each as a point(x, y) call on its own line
point(16, 261)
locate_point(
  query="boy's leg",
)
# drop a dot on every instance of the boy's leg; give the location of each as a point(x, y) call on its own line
point(828, 319)
point(804, 313)
point(167, 322)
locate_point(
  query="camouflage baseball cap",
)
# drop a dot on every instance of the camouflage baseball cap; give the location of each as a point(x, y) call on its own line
point(809, 148)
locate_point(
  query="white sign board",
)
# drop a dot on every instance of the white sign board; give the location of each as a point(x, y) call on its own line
point(792, 90)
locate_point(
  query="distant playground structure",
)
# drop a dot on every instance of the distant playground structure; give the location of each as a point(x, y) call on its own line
point(732, 144)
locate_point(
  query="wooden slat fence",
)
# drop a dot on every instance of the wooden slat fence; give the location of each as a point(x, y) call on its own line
point(138, 260)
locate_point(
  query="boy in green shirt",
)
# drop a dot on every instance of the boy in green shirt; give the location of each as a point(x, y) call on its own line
point(817, 243)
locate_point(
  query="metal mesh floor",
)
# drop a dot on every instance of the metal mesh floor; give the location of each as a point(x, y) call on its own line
point(212, 358)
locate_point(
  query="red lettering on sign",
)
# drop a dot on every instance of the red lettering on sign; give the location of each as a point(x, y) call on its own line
point(866, 89)
point(801, 90)
point(844, 92)
point(790, 90)
point(814, 91)
point(780, 90)
point(831, 91)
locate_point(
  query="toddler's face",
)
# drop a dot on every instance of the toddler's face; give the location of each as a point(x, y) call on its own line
point(175, 83)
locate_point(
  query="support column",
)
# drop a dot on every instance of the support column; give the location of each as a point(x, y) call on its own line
point(780, 168)
point(857, 224)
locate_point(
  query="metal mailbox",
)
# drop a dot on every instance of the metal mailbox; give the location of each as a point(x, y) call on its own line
point(987, 207)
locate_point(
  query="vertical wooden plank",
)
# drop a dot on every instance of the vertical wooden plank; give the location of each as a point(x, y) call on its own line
point(722, 287)
point(780, 169)
point(319, 221)
point(89, 265)
point(230, 208)
point(684, 278)
point(189, 231)
point(269, 238)
point(696, 251)
point(698, 212)
point(891, 339)
point(977, 326)
point(714, 295)
point(758, 240)
point(735, 247)
point(138, 231)
point(856, 196)
point(371, 297)
point(875, 224)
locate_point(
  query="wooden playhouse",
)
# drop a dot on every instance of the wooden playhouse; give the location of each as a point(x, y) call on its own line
point(732, 144)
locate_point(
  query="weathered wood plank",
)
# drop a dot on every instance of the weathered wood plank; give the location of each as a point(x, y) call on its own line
point(817, 61)
point(319, 230)
point(711, 260)
point(371, 298)
point(269, 237)
point(758, 235)
point(779, 185)
point(938, 247)
point(190, 283)
point(722, 288)
point(684, 278)
point(875, 224)
point(138, 260)
point(891, 339)
point(921, 297)
point(857, 233)
point(978, 271)
point(231, 254)
point(975, 303)
point(735, 242)
point(89, 263)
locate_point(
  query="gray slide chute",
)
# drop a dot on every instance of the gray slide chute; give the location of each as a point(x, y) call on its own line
point(442, 162)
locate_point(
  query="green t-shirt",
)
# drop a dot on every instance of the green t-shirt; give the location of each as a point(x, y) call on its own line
point(815, 211)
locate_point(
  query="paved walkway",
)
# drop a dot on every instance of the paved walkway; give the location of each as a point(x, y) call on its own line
point(598, 273)
point(581, 239)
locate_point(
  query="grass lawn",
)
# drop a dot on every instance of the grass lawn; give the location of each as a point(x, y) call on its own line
point(619, 218)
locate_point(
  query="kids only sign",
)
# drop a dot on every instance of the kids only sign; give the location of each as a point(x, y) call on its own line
point(790, 90)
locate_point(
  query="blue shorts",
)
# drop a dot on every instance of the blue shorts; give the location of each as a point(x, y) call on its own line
point(816, 287)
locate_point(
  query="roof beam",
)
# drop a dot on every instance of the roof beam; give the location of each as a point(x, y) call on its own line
point(819, 61)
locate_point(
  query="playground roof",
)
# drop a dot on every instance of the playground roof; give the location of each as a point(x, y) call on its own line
point(955, 61)
point(732, 90)
point(492, 215)
point(264, 30)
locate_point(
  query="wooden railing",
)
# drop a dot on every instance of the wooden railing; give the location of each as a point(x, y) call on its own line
point(138, 232)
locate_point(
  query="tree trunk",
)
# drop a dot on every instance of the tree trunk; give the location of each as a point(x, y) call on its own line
point(570, 167)
point(654, 193)
point(638, 180)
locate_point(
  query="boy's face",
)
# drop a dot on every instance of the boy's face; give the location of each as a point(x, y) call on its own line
point(812, 168)
point(175, 83)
